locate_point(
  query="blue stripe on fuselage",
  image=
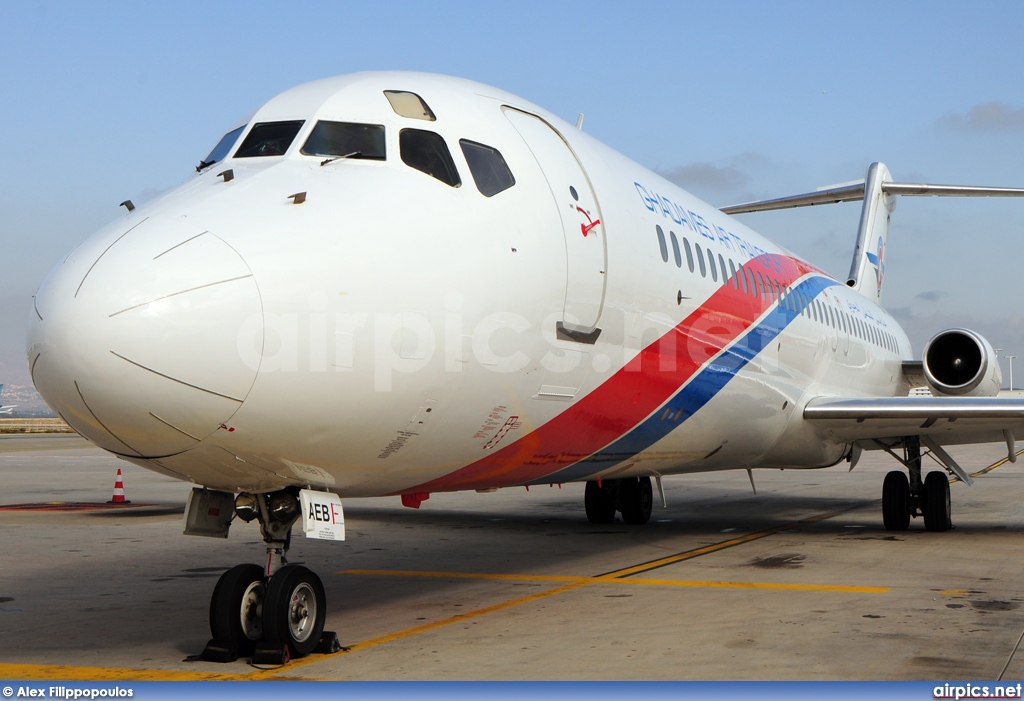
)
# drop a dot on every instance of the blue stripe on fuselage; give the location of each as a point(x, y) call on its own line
point(701, 389)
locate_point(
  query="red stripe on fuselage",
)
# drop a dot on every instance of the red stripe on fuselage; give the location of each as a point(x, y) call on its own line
point(632, 393)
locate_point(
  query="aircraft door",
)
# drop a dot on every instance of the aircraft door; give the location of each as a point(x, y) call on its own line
point(581, 225)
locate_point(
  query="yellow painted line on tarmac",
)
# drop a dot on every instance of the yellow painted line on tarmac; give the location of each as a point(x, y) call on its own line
point(470, 575)
point(416, 630)
point(782, 586)
point(998, 463)
point(606, 579)
point(731, 543)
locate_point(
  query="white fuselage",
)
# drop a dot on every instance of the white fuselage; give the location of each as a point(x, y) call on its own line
point(393, 334)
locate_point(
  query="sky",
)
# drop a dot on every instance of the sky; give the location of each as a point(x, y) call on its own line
point(102, 102)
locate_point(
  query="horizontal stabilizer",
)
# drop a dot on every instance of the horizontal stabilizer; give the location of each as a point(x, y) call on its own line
point(855, 192)
point(844, 193)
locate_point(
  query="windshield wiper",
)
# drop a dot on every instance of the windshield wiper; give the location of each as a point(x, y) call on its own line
point(335, 158)
point(204, 164)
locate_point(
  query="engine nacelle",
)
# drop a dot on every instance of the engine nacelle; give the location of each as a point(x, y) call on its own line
point(961, 363)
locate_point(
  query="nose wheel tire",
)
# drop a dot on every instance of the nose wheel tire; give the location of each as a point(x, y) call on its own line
point(896, 501)
point(294, 609)
point(936, 504)
point(599, 504)
point(235, 607)
point(637, 500)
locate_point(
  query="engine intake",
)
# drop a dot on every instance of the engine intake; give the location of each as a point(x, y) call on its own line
point(961, 363)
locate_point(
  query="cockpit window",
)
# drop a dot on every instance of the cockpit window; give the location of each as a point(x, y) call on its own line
point(427, 152)
point(489, 169)
point(222, 149)
point(409, 104)
point(346, 139)
point(269, 139)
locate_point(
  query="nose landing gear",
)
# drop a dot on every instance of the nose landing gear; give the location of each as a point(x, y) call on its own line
point(272, 613)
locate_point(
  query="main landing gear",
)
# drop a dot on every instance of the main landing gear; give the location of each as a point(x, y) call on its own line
point(271, 613)
point(632, 496)
point(903, 497)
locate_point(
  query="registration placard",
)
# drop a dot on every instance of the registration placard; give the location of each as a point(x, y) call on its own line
point(322, 515)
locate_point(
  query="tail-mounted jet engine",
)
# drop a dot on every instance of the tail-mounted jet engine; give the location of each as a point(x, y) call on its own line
point(961, 363)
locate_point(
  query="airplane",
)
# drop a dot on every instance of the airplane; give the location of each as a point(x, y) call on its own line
point(6, 409)
point(399, 283)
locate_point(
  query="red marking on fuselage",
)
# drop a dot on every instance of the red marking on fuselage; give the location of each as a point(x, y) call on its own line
point(633, 392)
point(585, 228)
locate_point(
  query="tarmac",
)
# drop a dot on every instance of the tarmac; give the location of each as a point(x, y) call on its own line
point(797, 581)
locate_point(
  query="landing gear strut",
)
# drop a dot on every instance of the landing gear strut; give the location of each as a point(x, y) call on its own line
point(904, 497)
point(632, 496)
point(274, 612)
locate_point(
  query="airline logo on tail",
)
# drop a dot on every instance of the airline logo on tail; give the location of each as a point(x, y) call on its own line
point(876, 262)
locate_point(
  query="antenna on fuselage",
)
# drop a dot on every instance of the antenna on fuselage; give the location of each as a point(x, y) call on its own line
point(579, 122)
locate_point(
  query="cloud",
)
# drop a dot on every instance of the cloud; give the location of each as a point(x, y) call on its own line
point(930, 295)
point(988, 116)
point(1006, 332)
point(706, 176)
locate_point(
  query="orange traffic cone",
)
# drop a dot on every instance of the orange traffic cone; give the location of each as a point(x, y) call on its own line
point(118, 497)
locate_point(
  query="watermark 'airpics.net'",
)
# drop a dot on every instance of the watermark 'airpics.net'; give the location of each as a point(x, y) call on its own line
point(383, 345)
point(977, 691)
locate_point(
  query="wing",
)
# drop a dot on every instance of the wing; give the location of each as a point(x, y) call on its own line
point(882, 423)
point(947, 420)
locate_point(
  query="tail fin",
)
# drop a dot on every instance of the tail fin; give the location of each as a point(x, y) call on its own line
point(868, 267)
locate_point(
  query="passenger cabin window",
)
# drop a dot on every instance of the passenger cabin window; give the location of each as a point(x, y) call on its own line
point(222, 149)
point(661, 243)
point(689, 253)
point(409, 104)
point(490, 172)
point(427, 152)
point(346, 139)
point(675, 249)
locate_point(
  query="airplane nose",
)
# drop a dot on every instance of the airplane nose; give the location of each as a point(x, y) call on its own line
point(138, 338)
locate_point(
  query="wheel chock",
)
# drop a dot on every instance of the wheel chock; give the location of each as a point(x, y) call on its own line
point(271, 653)
point(328, 644)
point(220, 651)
